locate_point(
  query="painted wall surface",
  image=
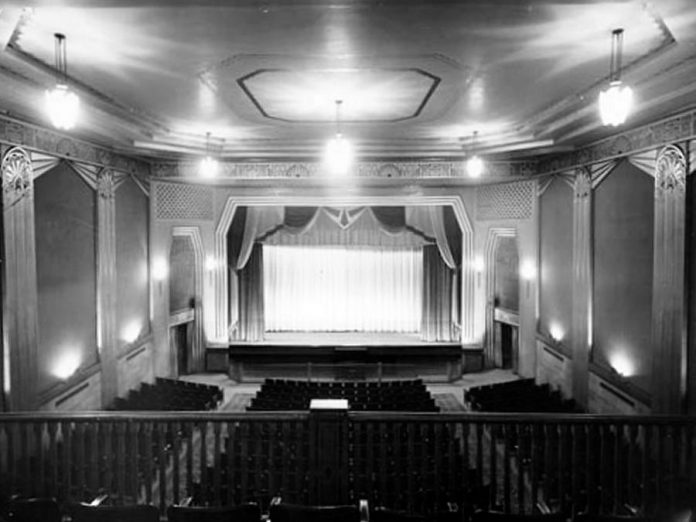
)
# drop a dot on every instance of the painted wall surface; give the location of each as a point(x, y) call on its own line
point(66, 272)
point(623, 267)
point(556, 262)
point(132, 307)
point(182, 264)
point(507, 282)
point(691, 292)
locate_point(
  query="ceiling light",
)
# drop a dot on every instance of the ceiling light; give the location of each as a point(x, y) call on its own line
point(616, 100)
point(339, 151)
point(209, 166)
point(474, 165)
point(62, 105)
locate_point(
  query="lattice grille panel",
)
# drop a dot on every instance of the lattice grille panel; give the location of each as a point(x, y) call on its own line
point(505, 201)
point(184, 202)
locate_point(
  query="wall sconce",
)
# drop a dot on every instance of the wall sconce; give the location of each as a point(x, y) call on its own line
point(210, 264)
point(67, 364)
point(479, 266)
point(131, 331)
point(160, 271)
point(556, 332)
point(528, 273)
point(621, 364)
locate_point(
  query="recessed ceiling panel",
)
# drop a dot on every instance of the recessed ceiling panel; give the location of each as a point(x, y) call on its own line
point(366, 95)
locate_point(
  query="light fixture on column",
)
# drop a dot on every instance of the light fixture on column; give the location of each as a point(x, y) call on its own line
point(339, 151)
point(616, 100)
point(209, 166)
point(474, 165)
point(62, 105)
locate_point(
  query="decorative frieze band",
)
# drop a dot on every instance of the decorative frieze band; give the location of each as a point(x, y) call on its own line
point(31, 137)
point(679, 128)
point(365, 169)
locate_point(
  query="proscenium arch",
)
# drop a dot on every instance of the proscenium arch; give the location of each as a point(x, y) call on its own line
point(221, 334)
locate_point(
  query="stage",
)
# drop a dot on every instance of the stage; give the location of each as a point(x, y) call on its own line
point(344, 356)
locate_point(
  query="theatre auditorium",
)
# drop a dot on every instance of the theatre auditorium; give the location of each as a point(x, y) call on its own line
point(348, 261)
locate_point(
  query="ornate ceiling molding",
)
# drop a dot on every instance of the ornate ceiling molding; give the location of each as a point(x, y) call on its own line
point(676, 129)
point(31, 137)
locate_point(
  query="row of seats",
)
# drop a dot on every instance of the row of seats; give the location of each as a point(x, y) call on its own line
point(284, 394)
point(170, 395)
point(522, 395)
point(48, 510)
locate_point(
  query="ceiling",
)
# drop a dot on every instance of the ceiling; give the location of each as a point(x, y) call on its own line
point(416, 78)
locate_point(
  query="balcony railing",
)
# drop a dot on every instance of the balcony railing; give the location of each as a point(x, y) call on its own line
point(418, 462)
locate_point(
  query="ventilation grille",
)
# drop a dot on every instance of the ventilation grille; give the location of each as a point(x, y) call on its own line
point(186, 202)
point(505, 201)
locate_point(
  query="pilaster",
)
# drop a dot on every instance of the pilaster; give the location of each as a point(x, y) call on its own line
point(582, 283)
point(106, 284)
point(20, 302)
point(669, 293)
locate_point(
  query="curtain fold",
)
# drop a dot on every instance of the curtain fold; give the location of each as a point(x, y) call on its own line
point(251, 305)
point(437, 297)
point(342, 289)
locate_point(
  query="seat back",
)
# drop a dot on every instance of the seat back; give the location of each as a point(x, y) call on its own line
point(586, 517)
point(242, 513)
point(490, 516)
point(388, 515)
point(33, 510)
point(141, 513)
point(295, 513)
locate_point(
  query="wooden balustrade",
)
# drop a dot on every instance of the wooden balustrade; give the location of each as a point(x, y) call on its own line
point(418, 461)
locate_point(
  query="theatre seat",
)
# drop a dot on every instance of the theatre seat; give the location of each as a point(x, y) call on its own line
point(585, 517)
point(140, 513)
point(296, 513)
point(242, 513)
point(32, 510)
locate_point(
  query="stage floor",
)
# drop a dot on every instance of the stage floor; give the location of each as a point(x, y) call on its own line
point(343, 339)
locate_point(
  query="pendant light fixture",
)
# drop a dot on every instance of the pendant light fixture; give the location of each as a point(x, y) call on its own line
point(616, 100)
point(339, 151)
point(474, 165)
point(62, 105)
point(209, 166)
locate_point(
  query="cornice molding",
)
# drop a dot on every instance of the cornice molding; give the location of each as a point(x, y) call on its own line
point(34, 138)
point(675, 129)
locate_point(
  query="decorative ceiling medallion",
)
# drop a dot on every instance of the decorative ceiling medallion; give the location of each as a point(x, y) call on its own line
point(368, 95)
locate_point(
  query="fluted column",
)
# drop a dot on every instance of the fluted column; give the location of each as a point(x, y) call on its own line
point(669, 294)
point(582, 283)
point(20, 302)
point(106, 285)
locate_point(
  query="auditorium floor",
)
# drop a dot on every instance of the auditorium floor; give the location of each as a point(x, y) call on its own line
point(448, 396)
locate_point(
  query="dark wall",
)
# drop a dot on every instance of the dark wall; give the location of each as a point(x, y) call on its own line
point(623, 266)
point(691, 291)
point(556, 251)
point(66, 271)
point(182, 264)
point(507, 282)
point(132, 309)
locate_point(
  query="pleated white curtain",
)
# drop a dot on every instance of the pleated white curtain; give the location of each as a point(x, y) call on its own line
point(310, 288)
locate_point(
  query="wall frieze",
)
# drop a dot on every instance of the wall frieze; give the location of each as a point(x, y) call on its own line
point(364, 169)
point(32, 137)
point(676, 129)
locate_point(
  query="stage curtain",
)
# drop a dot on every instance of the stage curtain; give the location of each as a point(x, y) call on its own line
point(437, 297)
point(312, 288)
point(251, 309)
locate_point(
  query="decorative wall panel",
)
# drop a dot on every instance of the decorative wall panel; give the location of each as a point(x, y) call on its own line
point(505, 201)
point(184, 202)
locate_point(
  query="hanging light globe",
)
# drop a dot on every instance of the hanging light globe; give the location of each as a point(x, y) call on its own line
point(209, 167)
point(62, 106)
point(339, 155)
point(615, 103)
point(474, 166)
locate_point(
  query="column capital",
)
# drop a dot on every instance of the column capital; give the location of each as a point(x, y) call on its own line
point(583, 183)
point(106, 188)
point(16, 175)
point(670, 171)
